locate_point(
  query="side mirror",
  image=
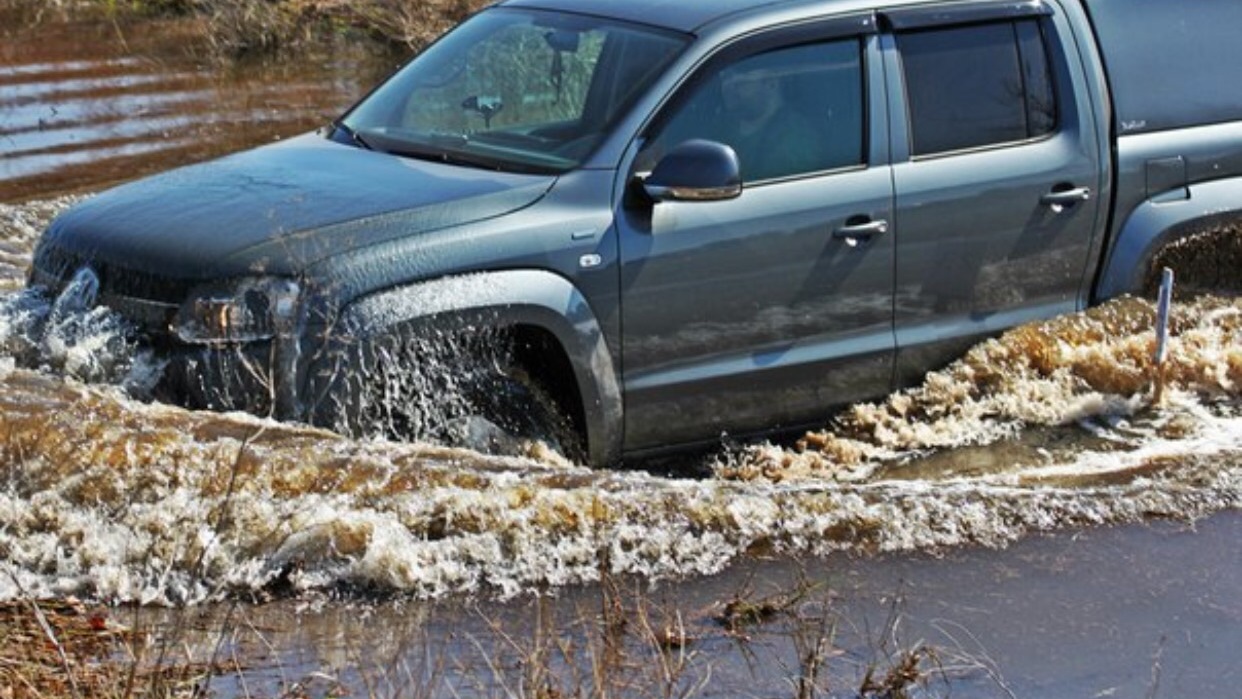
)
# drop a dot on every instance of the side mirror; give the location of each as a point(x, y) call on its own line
point(696, 170)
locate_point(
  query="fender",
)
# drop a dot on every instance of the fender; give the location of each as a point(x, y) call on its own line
point(1154, 224)
point(506, 298)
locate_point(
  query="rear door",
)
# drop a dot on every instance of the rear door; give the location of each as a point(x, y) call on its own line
point(996, 170)
point(762, 311)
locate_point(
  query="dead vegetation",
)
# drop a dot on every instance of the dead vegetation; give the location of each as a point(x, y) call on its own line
point(67, 648)
point(239, 27)
point(628, 643)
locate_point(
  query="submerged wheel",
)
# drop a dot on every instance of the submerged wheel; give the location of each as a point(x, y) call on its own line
point(1204, 255)
point(458, 389)
point(508, 412)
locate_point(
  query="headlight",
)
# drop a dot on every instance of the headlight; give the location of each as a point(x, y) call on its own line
point(243, 311)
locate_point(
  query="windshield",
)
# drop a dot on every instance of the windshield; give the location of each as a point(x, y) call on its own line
point(517, 90)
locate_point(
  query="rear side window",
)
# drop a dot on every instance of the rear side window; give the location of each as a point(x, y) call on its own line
point(976, 86)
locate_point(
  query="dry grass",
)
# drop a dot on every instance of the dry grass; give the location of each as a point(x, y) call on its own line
point(68, 649)
point(625, 644)
point(236, 27)
point(410, 23)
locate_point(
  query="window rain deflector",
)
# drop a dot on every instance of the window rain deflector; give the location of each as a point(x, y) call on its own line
point(963, 13)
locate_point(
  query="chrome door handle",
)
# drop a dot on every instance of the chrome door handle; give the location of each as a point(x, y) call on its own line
point(1059, 200)
point(852, 233)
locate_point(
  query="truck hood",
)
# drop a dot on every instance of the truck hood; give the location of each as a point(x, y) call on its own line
point(279, 209)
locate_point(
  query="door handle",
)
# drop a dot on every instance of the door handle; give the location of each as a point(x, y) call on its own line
point(853, 233)
point(1059, 200)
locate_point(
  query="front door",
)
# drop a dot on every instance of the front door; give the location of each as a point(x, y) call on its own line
point(764, 311)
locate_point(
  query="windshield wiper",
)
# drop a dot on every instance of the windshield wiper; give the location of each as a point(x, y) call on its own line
point(446, 147)
point(456, 157)
point(353, 135)
point(445, 155)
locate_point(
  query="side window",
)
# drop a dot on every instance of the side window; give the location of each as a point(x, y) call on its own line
point(786, 112)
point(977, 85)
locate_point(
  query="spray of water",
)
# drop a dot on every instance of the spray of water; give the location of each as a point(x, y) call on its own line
point(1048, 426)
point(71, 337)
point(63, 334)
point(20, 227)
point(1097, 364)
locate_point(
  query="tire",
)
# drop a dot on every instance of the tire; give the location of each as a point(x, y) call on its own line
point(461, 389)
point(519, 412)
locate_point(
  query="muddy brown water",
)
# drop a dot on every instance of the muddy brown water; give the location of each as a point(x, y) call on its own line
point(1142, 611)
point(1025, 513)
point(87, 100)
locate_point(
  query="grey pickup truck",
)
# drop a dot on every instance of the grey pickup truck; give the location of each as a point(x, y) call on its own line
point(636, 226)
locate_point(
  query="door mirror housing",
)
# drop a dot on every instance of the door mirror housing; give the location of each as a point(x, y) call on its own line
point(697, 170)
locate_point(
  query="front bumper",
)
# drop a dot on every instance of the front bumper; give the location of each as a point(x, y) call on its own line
point(259, 377)
point(242, 377)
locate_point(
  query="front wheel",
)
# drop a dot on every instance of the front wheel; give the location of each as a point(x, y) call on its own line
point(509, 414)
point(453, 388)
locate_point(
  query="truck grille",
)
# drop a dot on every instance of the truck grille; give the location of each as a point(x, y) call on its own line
point(147, 300)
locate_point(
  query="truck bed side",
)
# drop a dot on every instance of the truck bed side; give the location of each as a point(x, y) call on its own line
point(1176, 124)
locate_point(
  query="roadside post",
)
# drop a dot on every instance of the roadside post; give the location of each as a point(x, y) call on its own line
point(1162, 333)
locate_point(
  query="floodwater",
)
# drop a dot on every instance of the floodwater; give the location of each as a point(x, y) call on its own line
point(88, 101)
point(1026, 514)
point(1140, 611)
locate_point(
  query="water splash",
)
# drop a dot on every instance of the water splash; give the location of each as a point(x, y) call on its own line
point(70, 337)
point(106, 497)
point(122, 501)
point(1075, 368)
point(20, 227)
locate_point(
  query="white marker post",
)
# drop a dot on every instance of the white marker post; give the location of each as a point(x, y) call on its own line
point(1162, 333)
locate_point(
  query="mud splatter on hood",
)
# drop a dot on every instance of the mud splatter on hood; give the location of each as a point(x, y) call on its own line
point(279, 208)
